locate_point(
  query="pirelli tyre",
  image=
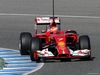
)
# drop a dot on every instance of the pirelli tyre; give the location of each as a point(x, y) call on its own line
point(35, 45)
point(84, 43)
point(24, 44)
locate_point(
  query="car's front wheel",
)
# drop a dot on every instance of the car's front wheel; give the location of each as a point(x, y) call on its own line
point(84, 43)
point(35, 45)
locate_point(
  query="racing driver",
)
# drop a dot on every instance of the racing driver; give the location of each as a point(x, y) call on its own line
point(53, 28)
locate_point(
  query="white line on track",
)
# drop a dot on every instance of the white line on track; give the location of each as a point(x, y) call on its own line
point(68, 16)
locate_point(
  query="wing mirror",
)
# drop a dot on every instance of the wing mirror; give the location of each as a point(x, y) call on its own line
point(71, 31)
point(43, 31)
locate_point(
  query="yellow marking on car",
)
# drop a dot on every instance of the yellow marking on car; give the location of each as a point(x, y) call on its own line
point(61, 43)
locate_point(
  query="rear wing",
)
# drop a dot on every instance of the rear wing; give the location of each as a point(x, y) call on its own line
point(46, 20)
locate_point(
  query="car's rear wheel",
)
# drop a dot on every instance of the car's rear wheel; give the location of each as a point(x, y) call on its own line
point(84, 43)
point(35, 45)
point(24, 43)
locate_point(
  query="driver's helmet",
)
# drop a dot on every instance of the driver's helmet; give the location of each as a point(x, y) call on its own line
point(53, 27)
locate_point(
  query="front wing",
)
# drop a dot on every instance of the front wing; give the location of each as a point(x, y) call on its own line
point(73, 54)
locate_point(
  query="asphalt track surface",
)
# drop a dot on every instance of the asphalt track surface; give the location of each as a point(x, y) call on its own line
point(83, 16)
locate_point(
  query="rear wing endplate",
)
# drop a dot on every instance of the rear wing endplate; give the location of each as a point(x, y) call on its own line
point(46, 20)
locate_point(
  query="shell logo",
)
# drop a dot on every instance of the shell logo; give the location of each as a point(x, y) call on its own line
point(86, 50)
point(61, 43)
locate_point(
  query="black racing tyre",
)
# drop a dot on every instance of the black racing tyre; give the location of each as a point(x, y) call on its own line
point(35, 45)
point(84, 42)
point(24, 44)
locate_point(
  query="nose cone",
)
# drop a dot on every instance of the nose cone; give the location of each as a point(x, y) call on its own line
point(61, 45)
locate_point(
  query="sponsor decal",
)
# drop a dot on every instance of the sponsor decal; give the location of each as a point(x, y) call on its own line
point(40, 52)
point(86, 51)
point(43, 52)
point(60, 39)
point(61, 43)
point(63, 52)
point(80, 52)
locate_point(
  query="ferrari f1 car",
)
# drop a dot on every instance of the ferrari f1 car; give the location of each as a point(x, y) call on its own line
point(60, 45)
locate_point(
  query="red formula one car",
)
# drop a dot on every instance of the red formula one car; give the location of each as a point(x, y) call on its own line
point(53, 43)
